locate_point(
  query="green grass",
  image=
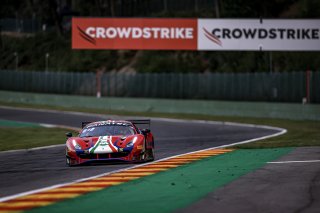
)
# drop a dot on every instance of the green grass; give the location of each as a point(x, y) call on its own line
point(300, 133)
point(12, 138)
point(170, 190)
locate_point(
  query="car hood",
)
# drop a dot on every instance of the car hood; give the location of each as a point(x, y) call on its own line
point(105, 144)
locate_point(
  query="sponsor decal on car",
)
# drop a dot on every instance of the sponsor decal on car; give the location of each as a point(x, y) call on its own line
point(104, 145)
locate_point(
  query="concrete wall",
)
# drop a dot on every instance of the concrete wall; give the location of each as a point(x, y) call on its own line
point(219, 108)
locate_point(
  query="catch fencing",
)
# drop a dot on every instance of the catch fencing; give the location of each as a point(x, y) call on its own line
point(277, 87)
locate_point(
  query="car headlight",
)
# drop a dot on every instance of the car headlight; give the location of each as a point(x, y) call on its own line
point(76, 145)
point(131, 143)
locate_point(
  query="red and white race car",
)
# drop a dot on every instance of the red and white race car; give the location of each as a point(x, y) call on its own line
point(110, 140)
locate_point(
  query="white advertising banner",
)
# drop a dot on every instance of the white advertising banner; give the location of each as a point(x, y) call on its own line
point(253, 34)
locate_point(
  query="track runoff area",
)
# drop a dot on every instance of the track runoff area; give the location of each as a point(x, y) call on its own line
point(196, 150)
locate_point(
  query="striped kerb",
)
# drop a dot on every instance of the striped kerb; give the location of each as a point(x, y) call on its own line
point(74, 190)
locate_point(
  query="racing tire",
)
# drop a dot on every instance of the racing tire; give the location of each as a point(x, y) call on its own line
point(68, 161)
point(147, 155)
point(144, 154)
point(150, 153)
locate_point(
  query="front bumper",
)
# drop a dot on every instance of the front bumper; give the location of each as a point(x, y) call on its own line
point(76, 157)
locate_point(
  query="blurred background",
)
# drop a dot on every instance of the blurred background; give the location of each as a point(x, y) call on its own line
point(36, 54)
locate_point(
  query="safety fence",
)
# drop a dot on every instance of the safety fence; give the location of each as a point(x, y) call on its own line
point(278, 87)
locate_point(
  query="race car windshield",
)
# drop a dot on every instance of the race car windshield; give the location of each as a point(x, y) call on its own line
point(107, 130)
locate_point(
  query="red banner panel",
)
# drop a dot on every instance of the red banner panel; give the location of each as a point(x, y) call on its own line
point(134, 33)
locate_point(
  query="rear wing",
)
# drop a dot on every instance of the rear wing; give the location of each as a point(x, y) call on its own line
point(141, 122)
point(85, 123)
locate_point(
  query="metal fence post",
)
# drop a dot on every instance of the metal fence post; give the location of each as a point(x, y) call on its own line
point(98, 83)
point(308, 75)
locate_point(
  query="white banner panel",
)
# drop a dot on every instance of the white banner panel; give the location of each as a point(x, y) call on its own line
point(251, 34)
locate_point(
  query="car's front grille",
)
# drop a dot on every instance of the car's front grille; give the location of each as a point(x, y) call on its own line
point(104, 156)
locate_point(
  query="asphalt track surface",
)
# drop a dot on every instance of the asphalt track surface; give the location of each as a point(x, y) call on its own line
point(292, 184)
point(26, 170)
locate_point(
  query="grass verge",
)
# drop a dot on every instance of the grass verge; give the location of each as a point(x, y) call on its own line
point(12, 138)
point(300, 133)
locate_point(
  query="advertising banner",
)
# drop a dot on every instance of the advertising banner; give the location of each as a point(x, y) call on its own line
point(196, 34)
point(134, 33)
point(253, 34)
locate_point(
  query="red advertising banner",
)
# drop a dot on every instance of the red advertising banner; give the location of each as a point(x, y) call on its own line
point(134, 33)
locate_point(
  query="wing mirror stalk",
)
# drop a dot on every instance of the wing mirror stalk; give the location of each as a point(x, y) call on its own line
point(69, 134)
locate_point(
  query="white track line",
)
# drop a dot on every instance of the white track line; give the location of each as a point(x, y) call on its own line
point(32, 149)
point(281, 131)
point(119, 170)
point(295, 161)
point(105, 116)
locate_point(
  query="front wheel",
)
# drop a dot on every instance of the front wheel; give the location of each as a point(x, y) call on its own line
point(68, 163)
point(150, 153)
point(147, 154)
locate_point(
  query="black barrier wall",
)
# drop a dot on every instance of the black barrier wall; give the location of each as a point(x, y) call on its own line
point(277, 87)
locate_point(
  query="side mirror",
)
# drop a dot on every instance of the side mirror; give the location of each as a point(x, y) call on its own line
point(69, 134)
point(145, 131)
